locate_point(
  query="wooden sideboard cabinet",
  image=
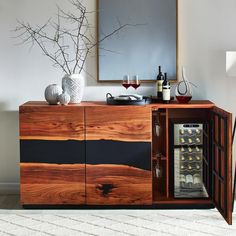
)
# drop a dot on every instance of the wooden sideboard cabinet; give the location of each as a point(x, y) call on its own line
point(93, 154)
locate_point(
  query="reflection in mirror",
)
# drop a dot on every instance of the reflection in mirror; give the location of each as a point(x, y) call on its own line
point(149, 40)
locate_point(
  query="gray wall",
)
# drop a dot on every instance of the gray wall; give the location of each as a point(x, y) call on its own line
point(206, 31)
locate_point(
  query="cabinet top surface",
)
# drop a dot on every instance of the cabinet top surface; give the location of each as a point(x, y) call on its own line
point(154, 106)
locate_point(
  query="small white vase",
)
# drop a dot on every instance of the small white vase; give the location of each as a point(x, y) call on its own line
point(74, 86)
point(64, 98)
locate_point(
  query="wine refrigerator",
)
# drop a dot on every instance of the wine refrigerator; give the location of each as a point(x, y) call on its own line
point(187, 160)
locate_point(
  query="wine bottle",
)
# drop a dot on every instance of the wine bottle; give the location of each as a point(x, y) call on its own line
point(182, 140)
point(198, 167)
point(189, 180)
point(198, 140)
point(190, 131)
point(182, 180)
point(160, 79)
point(157, 126)
point(166, 90)
point(181, 131)
point(158, 171)
point(196, 179)
point(198, 131)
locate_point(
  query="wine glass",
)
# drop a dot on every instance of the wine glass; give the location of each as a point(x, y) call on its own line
point(126, 81)
point(135, 82)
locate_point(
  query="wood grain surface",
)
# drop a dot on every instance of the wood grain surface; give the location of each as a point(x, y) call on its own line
point(191, 104)
point(119, 123)
point(52, 122)
point(52, 184)
point(118, 185)
point(154, 106)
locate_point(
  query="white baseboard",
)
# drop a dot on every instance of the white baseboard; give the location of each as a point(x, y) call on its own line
point(9, 188)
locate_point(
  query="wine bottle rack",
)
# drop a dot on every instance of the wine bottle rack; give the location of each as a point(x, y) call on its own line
point(190, 168)
point(188, 158)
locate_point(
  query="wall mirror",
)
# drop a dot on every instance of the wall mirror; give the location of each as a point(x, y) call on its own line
point(149, 40)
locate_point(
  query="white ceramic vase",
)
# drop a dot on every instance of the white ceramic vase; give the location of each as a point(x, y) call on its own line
point(74, 86)
point(64, 98)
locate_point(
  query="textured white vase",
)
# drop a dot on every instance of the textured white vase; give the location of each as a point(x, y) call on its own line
point(52, 93)
point(74, 86)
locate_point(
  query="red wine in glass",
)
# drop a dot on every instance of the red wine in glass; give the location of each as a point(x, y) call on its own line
point(126, 85)
point(126, 82)
point(135, 82)
point(135, 86)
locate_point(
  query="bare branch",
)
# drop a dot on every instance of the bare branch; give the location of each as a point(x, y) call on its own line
point(71, 39)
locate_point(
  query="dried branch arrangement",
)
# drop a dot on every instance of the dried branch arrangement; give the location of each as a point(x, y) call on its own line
point(68, 40)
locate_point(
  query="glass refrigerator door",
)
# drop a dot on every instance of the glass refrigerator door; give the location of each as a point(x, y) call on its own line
point(188, 154)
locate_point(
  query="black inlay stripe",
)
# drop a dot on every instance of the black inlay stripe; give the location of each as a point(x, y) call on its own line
point(135, 154)
point(53, 152)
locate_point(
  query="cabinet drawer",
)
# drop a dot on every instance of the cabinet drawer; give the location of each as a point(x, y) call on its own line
point(52, 122)
point(118, 173)
point(52, 184)
point(117, 185)
point(118, 123)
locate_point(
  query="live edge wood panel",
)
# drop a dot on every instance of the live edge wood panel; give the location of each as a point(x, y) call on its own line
point(118, 155)
point(52, 168)
point(51, 122)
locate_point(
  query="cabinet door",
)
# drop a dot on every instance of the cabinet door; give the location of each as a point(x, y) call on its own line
point(118, 155)
point(52, 155)
point(207, 157)
point(222, 162)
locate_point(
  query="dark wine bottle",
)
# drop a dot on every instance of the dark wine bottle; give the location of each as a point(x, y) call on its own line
point(166, 90)
point(160, 79)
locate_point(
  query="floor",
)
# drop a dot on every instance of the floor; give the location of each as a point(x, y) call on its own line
point(17, 221)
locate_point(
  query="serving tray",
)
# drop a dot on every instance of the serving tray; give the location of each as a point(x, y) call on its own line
point(112, 101)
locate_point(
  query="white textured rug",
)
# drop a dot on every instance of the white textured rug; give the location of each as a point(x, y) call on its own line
point(114, 222)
